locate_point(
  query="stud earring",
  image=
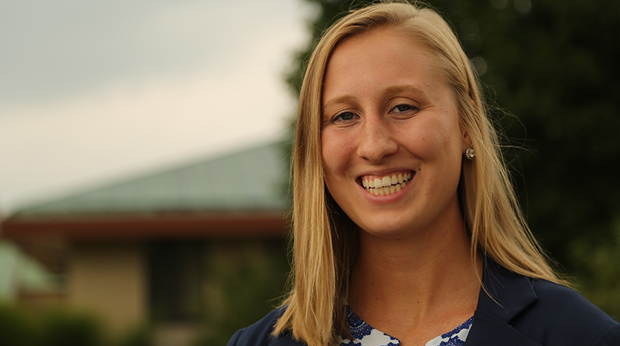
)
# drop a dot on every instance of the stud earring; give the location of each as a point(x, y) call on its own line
point(469, 153)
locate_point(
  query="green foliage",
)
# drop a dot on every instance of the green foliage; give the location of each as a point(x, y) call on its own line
point(599, 278)
point(16, 328)
point(140, 336)
point(246, 280)
point(554, 66)
point(23, 327)
point(67, 328)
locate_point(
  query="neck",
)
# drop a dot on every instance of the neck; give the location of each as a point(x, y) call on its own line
point(423, 277)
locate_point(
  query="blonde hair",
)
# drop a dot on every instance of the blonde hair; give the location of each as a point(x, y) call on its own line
point(325, 239)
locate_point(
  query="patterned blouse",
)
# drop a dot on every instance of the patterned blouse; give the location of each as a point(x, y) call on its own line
point(365, 335)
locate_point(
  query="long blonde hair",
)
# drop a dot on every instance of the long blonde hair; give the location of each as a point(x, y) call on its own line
point(325, 239)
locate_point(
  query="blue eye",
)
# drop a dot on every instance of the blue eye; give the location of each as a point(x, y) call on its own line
point(344, 116)
point(404, 108)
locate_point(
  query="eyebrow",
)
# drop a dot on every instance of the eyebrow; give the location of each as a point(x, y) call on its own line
point(394, 89)
point(339, 99)
point(406, 87)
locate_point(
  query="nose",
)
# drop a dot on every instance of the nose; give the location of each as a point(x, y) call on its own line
point(375, 140)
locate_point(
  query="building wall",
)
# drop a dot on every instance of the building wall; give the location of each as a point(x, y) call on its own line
point(109, 279)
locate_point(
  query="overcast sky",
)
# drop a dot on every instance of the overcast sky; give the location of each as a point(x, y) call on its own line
point(93, 91)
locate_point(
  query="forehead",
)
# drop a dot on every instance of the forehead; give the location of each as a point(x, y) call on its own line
point(384, 39)
point(381, 57)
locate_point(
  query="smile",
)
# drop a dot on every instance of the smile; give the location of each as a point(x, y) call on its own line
point(387, 185)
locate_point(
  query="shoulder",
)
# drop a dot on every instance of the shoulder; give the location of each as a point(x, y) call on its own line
point(259, 334)
point(542, 311)
point(562, 314)
point(556, 300)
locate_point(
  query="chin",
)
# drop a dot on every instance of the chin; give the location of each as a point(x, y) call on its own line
point(388, 231)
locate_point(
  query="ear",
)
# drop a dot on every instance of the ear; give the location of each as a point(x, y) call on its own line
point(466, 140)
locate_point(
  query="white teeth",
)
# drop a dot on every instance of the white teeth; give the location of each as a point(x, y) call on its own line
point(387, 185)
point(386, 181)
point(378, 183)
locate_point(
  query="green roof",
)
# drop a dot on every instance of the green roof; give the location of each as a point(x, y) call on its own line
point(250, 180)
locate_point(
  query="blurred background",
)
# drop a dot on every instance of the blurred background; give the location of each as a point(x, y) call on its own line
point(144, 151)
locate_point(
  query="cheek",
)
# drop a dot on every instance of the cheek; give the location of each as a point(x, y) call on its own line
point(434, 141)
point(424, 139)
point(335, 150)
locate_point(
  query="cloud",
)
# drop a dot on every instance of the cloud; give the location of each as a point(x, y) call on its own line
point(56, 48)
point(138, 85)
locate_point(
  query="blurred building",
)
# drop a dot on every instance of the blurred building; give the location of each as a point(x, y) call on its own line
point(147, 248)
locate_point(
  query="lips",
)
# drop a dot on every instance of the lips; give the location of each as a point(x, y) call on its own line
point(388, 184)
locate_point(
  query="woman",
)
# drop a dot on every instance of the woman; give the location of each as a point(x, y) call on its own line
point(406, 228)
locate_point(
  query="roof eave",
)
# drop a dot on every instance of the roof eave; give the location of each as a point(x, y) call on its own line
point(238, 224)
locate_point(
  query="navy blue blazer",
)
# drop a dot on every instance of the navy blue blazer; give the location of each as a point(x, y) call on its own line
point(522, 312)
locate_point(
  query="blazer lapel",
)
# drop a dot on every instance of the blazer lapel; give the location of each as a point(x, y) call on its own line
point(506, 295)
point(489, 330)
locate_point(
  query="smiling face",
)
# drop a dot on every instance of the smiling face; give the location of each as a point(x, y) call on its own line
point(391, 142)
